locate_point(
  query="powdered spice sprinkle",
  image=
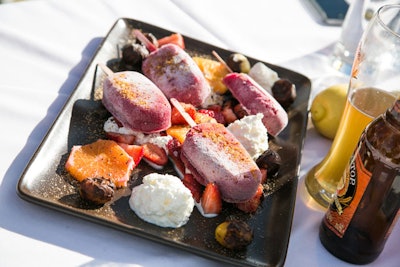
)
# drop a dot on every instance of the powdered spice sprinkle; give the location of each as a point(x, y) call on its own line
point(128, 91)
point(230, 146)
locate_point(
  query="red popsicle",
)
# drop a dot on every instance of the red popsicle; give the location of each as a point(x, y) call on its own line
point(176, 74)
point(136, 102)
point(256, 100)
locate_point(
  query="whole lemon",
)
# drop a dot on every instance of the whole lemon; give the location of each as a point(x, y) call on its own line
point(327, 108)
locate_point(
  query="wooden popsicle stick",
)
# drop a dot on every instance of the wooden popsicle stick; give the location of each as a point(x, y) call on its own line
point(182, 111)
point(146, 42)
point(215, 54)
point(106, 69)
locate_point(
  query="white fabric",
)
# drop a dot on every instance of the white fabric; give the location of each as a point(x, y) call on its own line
point(44, 48)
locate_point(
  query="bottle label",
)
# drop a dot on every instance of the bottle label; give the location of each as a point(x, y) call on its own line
point(355, 181)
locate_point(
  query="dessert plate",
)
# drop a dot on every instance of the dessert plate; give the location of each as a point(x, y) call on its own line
point(45, 182)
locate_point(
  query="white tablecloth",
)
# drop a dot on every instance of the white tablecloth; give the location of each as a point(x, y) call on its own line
point(44, 49)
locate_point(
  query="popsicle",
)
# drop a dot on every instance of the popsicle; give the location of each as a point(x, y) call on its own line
point(255, 100)
point(213, 154)
point(136, 102)
point(176, 74)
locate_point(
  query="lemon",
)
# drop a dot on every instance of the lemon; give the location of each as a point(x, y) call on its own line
point(327, 108)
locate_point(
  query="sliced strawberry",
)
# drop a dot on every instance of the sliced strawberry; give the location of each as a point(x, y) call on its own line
point(135, 151)
point(121, 138)
point(229, 115)
point(155, 154)
point(175, 38)
point(217, 109)
point(208, 112)
point(211, 201)
point(195, 187)
point(174, 153)
point(177, 118)
point(252, 204)
point(174, 148)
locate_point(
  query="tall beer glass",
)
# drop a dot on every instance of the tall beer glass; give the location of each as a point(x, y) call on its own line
point(374, 86)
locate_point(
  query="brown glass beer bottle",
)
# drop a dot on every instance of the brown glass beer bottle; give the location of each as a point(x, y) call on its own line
point(359, 221)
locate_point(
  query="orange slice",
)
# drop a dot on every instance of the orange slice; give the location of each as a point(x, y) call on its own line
point(179, 132)
point(102, 159)
point(214, 72)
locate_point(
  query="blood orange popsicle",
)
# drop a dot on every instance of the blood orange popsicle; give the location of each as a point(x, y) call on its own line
point(256, 100)
point(136, 102)
point(176, 74)
point(213, 154)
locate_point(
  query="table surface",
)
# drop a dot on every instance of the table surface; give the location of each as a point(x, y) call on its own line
point(45, 48)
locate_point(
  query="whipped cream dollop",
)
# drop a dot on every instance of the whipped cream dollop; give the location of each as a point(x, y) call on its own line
point(251, 133)
point(111, 126)
point(163, 200)
point(264, 76)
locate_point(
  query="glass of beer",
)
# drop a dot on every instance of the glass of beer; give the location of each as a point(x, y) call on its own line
point(374, 86)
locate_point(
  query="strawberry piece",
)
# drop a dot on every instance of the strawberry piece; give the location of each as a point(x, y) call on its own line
point(211, 201)
point(229, 115)
point(155, 154)
point(195, 187)
point(121, 138)
point(217, 109)
point(252, 204)
point(176, 116)
point(135, 151)
point(174, 153)
point(208, 112)
point(175, 38)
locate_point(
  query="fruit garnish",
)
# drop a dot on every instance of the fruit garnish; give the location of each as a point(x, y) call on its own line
point(284, 92)
point(213, 71)
point(96, 190)
point(175, 38)
point(174, 153)
point(234, 234)
point(252, 204)
point(208, 112)
point(178, 131)
point(121, 138)
point(327, 108)
point(155, 154)
point(211, 201)
point(180, 108)
point(202, 117)
point(217, 110)
point(195, 187)
point(103, 158)
point(135, 151)
point(228, 113)
point(271, 161)
point(240, 111)
point(176, 116)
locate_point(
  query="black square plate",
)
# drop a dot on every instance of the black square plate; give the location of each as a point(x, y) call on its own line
point(45, 182)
